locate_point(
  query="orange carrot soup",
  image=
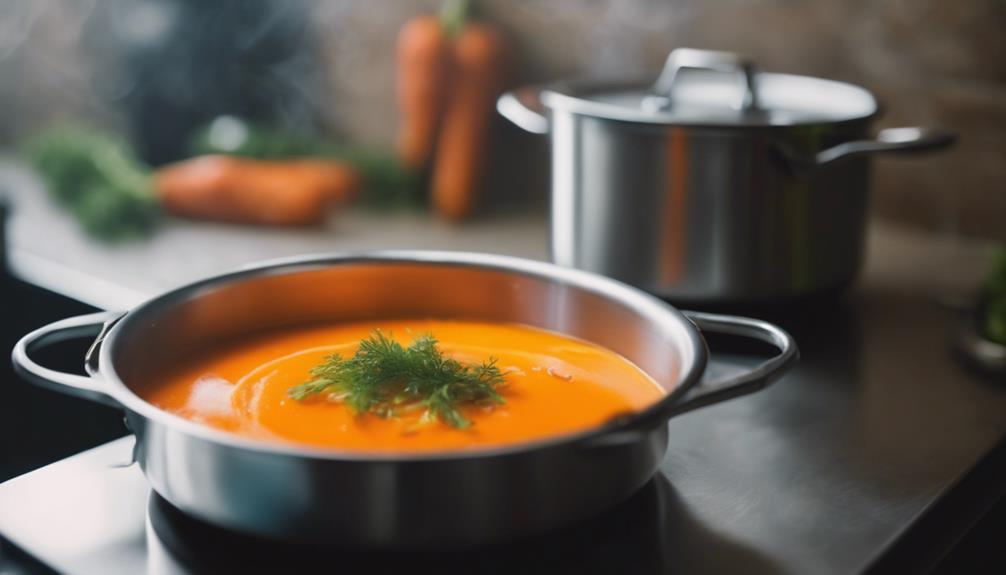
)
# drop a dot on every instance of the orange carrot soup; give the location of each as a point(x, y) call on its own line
point(411, 385)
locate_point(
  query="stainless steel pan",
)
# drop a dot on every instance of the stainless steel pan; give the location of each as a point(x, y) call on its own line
point(400, 499)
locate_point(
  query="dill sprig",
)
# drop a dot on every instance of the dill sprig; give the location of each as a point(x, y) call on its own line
point(387, 379)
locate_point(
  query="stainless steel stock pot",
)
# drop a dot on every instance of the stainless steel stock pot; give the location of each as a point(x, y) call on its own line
point(717, 182)
point(450, 498)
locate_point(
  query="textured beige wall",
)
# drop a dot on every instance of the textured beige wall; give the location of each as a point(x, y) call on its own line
point(930, 62)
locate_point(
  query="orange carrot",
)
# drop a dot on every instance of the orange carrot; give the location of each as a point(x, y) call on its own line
point(339, 180)
point(241, 190)
point(423, 55)
point(479, 68)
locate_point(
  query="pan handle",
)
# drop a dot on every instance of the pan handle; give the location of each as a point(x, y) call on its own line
point(84, 386)
point(709, 392)
point(523, 107)
point(888, 141)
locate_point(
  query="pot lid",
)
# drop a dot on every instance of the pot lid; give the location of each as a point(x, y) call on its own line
point(704, 87)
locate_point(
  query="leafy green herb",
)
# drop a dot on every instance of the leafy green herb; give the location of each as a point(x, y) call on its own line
point(387, 379)
point(994, 323)
point(97, 177)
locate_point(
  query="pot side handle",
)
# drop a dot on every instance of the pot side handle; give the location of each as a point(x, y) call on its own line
point(890, 140)
point(523, 107)
point(83, 386)
point(709, 392)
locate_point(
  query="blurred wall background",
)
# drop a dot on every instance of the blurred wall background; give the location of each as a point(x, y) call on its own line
point(929, 61)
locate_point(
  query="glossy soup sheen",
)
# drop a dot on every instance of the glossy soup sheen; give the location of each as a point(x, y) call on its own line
point(554, 385)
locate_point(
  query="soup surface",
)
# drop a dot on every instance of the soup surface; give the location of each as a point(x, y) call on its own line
point(552, 384)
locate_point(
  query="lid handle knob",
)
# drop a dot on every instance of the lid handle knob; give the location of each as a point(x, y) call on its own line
point(693, 58)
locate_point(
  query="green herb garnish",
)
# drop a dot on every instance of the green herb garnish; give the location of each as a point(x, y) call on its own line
point(386, 379)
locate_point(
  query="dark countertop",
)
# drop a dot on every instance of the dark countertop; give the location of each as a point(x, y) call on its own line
point(836, 463)
point(829, 467)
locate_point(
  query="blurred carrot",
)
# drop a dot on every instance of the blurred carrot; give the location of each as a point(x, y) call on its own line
point(234, 189)
point(423, 62)
point(479, 59)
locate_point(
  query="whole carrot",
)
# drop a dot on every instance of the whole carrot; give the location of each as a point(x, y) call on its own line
point(232, 189)
point(423, 62)
point(338, 180)
point(479, 72)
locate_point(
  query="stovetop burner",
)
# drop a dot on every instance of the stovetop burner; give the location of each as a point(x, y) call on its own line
point(651, 532)
point(630, 538)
